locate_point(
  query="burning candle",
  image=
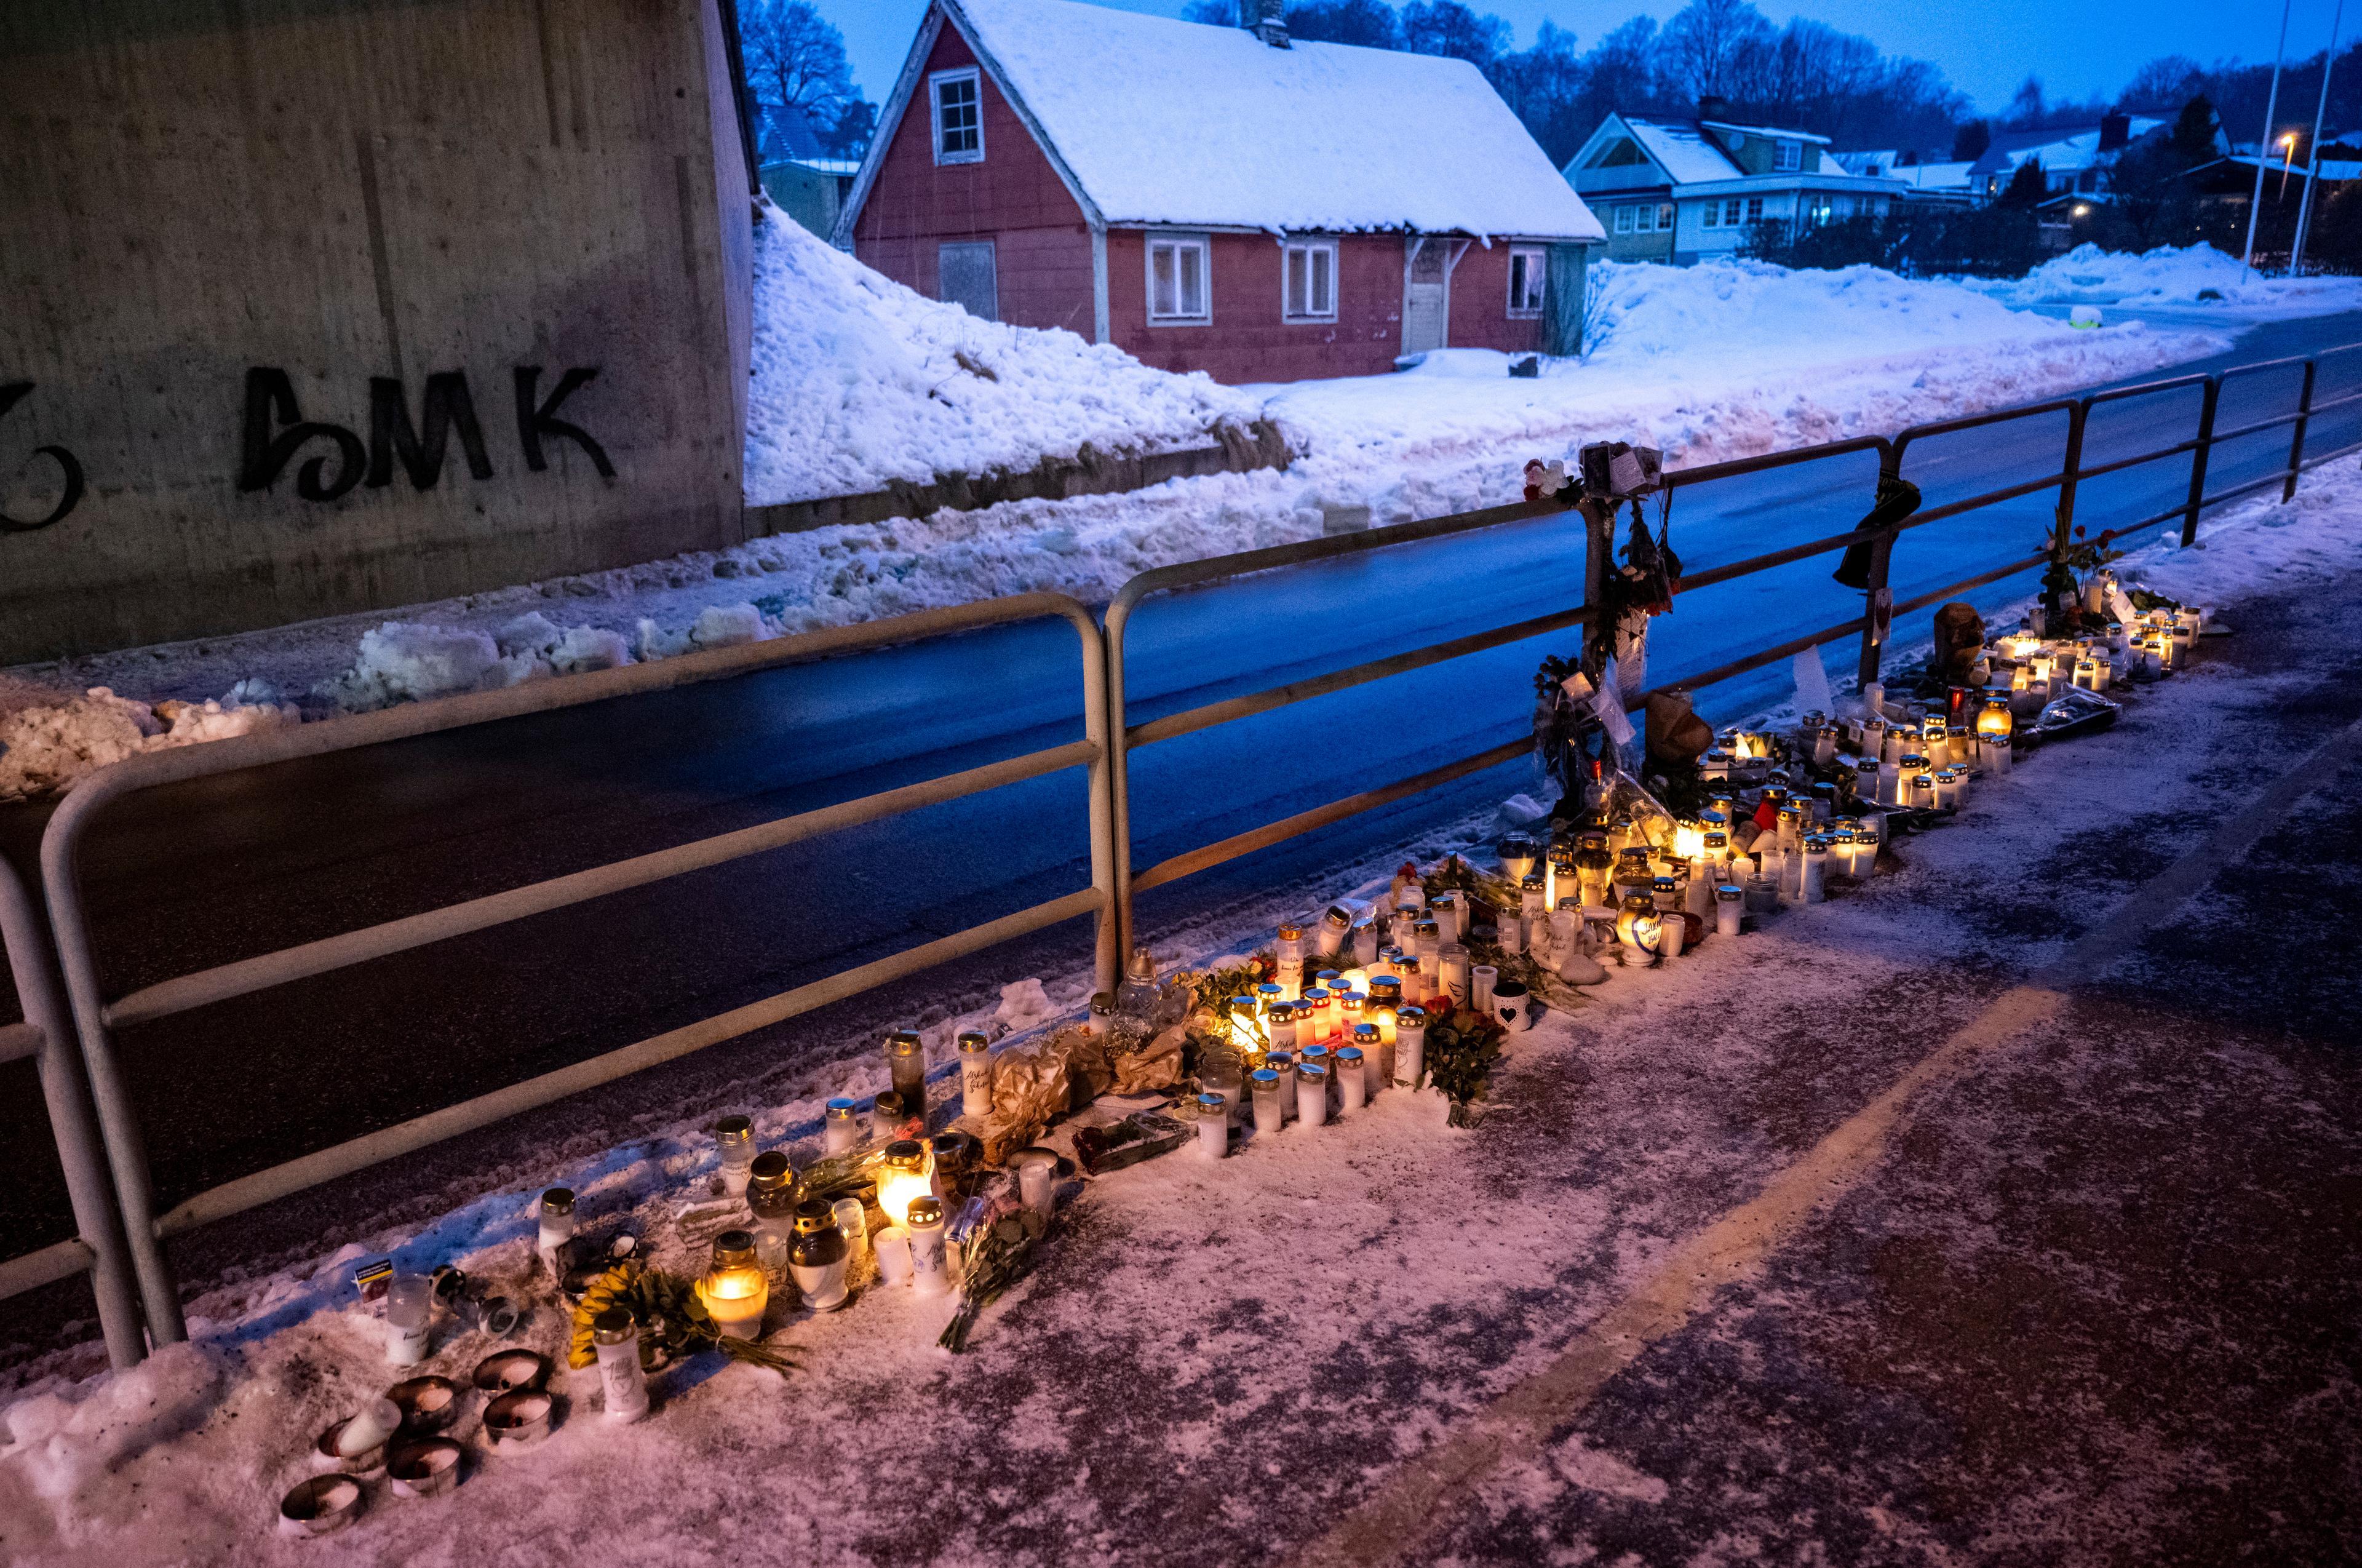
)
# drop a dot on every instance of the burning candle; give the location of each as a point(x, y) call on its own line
point(902, 1179)
point(556, 1229)
point(1288, 960)
point(733, 1289)
point(1816, 870)
point(1313, 1028)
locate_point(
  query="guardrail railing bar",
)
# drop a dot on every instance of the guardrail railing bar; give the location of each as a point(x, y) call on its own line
point(375, 1148)
point(1208, 856)
point(1766, 462)
point(1951, 509)
point(2149, 389)
point(1924, 600)
point(47, 1266)
point(74, 1129)
point(118, 1120)
point(18, 1041)
point(265, 970)
point(1191, 720)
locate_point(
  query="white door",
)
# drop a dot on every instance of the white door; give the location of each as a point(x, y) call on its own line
point(1427, 279)
point(965, 277)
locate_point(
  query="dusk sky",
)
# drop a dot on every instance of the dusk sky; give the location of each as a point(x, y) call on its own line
point(2077, 47)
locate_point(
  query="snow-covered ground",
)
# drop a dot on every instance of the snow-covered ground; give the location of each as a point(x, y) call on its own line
point(1708, 362)
point(859, 381)
point(2174, 278)
point(1337, 1232)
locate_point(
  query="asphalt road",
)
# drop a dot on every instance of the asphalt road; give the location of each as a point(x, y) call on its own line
point(199, 875)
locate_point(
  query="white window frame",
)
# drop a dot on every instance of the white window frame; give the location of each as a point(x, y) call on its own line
point(1179, 243)
point(1537, 261)
point(1665, 218)
point(1787, 156)
point(1712, 216)
point(1624, 217)
point(1754, 209)
point(1734, 211)
point(935, 85)
point(1288, 252)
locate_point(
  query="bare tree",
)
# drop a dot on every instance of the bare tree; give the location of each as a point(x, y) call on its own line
point(1706, 41)
point(796, 57)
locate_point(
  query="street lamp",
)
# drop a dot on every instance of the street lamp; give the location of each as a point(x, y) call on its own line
point(2287, 160)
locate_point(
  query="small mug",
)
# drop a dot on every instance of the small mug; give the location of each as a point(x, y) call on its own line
point(1509, 1006)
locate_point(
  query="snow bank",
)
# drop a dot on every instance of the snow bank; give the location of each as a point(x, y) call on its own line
point(859, 381)
point(2193, 276)
point(44, 748)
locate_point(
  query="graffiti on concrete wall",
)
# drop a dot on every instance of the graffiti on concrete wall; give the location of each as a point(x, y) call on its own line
point(11, 395)
point(275, 434)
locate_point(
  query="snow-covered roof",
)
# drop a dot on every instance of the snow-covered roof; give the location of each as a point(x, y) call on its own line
point(1684, 151)
point(2060, 150)
point(1157, 121)
point(1775, 133)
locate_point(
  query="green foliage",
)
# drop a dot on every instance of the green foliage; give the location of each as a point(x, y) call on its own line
point(1461, 1051)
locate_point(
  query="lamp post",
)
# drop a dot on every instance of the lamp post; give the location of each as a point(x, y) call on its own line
point(2271, 108)
point(2312, 165)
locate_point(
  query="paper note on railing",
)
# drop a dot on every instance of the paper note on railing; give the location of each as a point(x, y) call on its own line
point(1609, 703)
point(1813, 684)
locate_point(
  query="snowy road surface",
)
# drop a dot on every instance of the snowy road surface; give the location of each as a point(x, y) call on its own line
point(221, 871)
point(1703, 1288)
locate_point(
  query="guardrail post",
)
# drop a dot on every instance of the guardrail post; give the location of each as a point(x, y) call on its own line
point(2296, 441)
point(2198, 460)
point(2062, 532)
point(127, 1148)
point(80, 1150)
point(1117, 797)
point(1103, 724)
point(1881, 549)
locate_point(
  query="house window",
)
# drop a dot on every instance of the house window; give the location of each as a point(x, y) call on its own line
point(1309, 291)
point(1787, 156)
point(1624, 219)
point(1754, 209)
point(1734, 212)
point(1818, 213)
point(959, 101)
point(1177, 292)
point(1527, 269)
point(1712, 216)
point(1665, 218)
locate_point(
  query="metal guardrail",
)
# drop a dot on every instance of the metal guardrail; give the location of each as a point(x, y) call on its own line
point(46, 1034)
point(1105, 752)
point(97, 1016)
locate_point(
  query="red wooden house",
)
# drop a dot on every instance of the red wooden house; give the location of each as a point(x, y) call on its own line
point(1213, 198)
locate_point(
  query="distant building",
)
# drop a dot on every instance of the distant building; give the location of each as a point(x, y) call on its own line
point(797, 173)
point(1215, 198)
point(1932, 184)
point(2074, 159)
point(1682, 190)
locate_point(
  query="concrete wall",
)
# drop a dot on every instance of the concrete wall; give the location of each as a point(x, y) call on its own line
point(239, 235)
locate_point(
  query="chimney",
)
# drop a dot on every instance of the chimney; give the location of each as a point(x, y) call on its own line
point(1270, 22)
point(2115, 130)
point(1713, 106)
